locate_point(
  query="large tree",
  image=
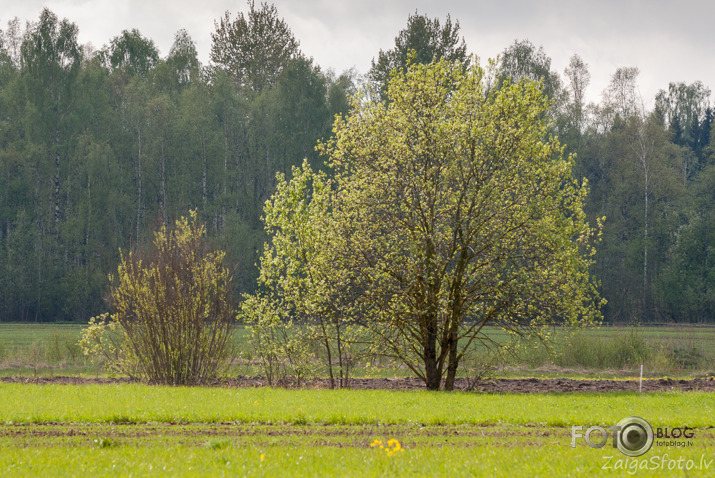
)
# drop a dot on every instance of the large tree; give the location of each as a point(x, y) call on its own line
point(523, 61)
point(131, 53)
point(297, 281)
point(686, 288)
point(424, 40)
point(453, 209)
point(621, 98)
point(183, 58)
point(51, 61)
point(686, 110)
point(254, 48)
point(578, 79)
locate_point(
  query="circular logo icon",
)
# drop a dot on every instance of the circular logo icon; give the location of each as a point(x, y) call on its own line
point(635, 436)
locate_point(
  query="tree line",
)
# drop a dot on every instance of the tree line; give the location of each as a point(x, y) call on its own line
point(98, 148)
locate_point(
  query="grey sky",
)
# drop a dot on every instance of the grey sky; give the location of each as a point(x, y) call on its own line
point(667, 41)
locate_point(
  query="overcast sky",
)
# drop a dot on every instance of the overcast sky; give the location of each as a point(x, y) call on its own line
point(668, 41)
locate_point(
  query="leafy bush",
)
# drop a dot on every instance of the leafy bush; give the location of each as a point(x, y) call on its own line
point(104, 341)
point(630, 348)
point(281, 347)
point(173, 312)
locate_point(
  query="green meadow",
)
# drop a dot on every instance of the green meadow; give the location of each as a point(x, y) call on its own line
point(118, 430)
point(135, 403)
point(142, 430)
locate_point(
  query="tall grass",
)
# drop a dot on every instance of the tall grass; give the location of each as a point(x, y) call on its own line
point(624, 348)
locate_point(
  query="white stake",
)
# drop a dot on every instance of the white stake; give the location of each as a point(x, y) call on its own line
point(640, 383)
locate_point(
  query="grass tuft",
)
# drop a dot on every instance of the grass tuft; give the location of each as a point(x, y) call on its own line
point(218, 443)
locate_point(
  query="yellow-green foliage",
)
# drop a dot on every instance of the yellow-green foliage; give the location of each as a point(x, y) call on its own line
point(104, 342)
point(297, 315)
point(452, 207)
point(172, 313)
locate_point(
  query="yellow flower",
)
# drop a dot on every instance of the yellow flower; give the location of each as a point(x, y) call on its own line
point(263, 457)
point(394, 443)
point(393, 446)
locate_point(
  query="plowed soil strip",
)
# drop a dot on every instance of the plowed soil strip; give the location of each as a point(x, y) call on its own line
point(97, 435)
point(498, 385)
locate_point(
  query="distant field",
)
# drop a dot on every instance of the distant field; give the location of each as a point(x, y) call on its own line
point(22, 336)
point(51, 349)
point(64, 430)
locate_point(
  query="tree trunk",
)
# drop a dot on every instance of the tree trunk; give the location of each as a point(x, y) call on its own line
point(204, 194)
point(453, 362)
point(645, 247)
point(139, 184)
point(87, 255)
point(433, 369)
point(225, 175)
point(343, 373)
point(644, 148)
point(328, 352)
point(57, 178)
point(164, 217)
point(433, 375)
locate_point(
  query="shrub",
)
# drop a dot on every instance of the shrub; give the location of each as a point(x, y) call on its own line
point(281, 347)
point(172, 310)
point(104, 341)
point(584, 350)
point(62, 347)
point(631, 349)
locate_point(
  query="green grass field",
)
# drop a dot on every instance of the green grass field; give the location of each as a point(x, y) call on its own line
point(65, 430)
point(140, 430)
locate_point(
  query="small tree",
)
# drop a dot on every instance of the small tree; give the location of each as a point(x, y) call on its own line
point(174, 307)
point(299, 301)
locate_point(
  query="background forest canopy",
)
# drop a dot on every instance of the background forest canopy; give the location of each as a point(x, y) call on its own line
point(100, 147)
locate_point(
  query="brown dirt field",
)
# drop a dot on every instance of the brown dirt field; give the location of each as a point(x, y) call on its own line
point(497, 385)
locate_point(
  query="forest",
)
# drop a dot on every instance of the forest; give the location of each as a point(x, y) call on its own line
point(100, 147)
